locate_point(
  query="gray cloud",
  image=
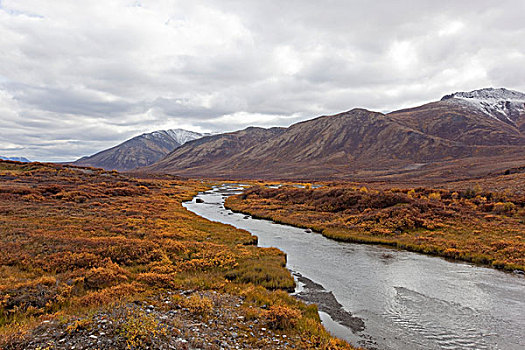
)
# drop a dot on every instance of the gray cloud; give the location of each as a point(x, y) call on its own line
point(79, 77)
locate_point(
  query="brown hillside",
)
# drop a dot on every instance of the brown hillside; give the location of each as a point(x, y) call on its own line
point(357, 144)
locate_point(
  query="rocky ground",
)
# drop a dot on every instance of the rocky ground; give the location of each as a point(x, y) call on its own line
point(184, 320)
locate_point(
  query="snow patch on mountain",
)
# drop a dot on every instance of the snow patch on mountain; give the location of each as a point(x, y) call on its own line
point(499, 103)
point(180, 136)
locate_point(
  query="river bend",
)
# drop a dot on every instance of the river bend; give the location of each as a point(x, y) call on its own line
point(406, 300)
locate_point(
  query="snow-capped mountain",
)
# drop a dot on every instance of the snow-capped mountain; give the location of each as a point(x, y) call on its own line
point(141, 150)
point(18, 159)
point(502, 104)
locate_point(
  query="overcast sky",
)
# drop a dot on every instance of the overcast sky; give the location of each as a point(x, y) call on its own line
point(80, 76)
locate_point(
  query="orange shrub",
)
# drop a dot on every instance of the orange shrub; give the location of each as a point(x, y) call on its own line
point(281, 317)
point(504, 208)
point(103, 277)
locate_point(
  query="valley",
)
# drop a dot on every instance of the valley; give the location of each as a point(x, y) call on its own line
point(275, 175)
point(144, 244)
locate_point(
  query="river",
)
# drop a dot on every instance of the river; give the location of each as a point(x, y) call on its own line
point(406, 300)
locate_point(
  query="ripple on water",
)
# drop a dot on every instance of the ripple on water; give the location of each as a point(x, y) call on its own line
point(441, 322)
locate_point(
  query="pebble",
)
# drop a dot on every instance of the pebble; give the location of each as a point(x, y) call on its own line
point(224, 329)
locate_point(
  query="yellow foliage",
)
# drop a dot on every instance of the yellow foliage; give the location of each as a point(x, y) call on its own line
point(281, 317)
point(434, 196)
point(140, 329)
point(504, 208)
point(198, 305)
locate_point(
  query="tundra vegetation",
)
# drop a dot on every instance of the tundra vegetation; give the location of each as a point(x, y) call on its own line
point(76, 240)
point(471, 224)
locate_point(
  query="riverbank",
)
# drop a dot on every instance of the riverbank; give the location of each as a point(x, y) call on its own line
point(93, 258)
point(470, 225)
point(405, 300)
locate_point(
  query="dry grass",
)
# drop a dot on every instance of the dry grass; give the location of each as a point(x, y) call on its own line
point(77, 239)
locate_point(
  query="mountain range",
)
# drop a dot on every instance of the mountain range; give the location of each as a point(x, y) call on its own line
point(464, 134)
point(139, 151)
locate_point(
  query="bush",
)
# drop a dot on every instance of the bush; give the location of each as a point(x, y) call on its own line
point(434, 196)
point(103, 277)
point(504, 208)
point(140, 329)
point(198, 305)
point(281, 317)
point(157, 279)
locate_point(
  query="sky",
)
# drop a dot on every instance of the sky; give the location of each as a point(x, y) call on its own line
point(77, 77)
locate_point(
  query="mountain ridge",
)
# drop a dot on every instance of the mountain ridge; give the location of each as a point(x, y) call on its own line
point(360, 141)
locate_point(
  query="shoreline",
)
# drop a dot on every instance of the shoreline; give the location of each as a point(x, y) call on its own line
point(394, 245)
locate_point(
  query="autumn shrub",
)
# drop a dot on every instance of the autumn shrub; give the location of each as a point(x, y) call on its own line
point(102, 238)
point(68, 260)
point(262, 297)
point(51, 189)
point(31, 296)
point(198, 305)
point(140, 329)
point(504, 208)
point(17, 190)
point(126, 191)
point(126, 251)
point(251, 313)
point(316, 337)
point(281, 317)
point(108, 295)
point(103, 277)
point(434, 196)
point(73, 196)
point(79, 325)
point(157, 279)
point(382, 199)
point(33, 197)
point(432, 221)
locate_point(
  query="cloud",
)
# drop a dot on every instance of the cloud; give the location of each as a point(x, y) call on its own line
point(77, 77)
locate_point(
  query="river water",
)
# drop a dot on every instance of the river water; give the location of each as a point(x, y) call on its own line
point(406, 300)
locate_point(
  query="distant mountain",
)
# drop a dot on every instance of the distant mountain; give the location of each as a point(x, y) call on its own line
point(466, 133)
point(139, 151)
point(17, 159)
point(208, 151)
